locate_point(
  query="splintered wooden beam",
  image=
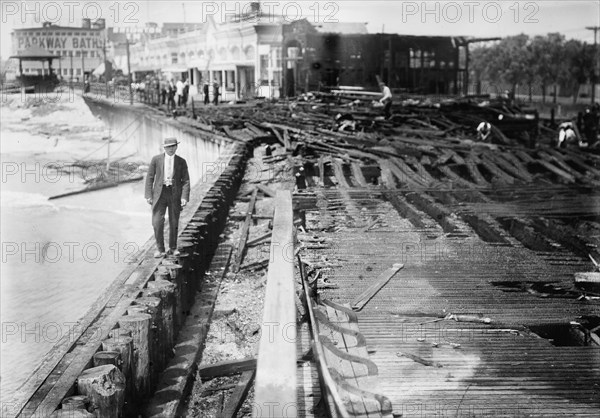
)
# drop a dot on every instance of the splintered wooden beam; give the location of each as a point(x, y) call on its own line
point(258, 239)
point(275, 386)
point(361, 300)
point(286, 140)
point(237, 397)
point(278, 136)
point(566, 177)
point(266, 191)
point(338, 170)
point(226, 368)
point(244, 233)
point(358, 175)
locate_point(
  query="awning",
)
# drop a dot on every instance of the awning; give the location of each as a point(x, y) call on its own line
point(229, 66)
point(200, 63)
point(175, 69)
point(34, 53)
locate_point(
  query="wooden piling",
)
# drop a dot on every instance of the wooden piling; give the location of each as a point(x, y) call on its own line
point(105, 386)
point(102, 358)
point(76, 402)
point(154, 307)
point(139, 326)
point(72, 413)
point(165, 290)
point(123, 344)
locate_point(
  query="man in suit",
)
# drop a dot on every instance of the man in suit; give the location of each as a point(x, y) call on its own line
point(167, 187)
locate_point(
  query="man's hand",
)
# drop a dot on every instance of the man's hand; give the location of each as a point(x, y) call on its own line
point(183, 202)
point(149, 201)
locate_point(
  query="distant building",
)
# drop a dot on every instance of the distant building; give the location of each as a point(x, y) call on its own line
point(330, 55)
point(80, 48)
point(242, 55)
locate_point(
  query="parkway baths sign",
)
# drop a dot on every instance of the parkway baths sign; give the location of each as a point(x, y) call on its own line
point(59, 42)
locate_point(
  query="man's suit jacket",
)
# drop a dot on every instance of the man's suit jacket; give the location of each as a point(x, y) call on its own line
point(155, 179)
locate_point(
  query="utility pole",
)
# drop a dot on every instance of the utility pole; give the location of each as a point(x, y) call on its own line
point(597, 60)
point(72, 73)
point(108, 149)
point(105, 65)
point(129, 72)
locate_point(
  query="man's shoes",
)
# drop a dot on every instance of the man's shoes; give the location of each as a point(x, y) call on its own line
point(175, 252)
point(159, 254)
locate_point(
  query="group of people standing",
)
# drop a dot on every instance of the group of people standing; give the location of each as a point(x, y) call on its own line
point(175, 94)
point(216, 93)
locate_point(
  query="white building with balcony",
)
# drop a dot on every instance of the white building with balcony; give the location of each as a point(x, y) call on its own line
point(242, 56)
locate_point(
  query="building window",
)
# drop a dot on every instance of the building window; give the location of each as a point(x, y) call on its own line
point(69, 33)
point(84, 54)
point(77, 53)
point(415, 58)
point(174, 58)
point(78, 71)
point(264, 63)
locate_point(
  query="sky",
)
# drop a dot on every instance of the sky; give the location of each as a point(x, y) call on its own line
point(446, 18)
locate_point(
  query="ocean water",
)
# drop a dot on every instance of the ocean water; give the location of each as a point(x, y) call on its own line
point(57, 255)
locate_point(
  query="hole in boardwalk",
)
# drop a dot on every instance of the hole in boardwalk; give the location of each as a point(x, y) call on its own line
point(575, 334)
point(541, 289)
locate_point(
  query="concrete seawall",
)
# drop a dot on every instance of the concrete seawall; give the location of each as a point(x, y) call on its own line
point(147, 128)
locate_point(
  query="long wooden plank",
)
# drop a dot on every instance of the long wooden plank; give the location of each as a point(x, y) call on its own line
point(276, 367)
point(361, 300)
point(235, 401)
point(226, 368)
point(244, 233)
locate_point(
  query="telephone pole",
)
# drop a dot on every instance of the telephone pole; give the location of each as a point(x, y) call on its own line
point(129, 79)
point(596, 61)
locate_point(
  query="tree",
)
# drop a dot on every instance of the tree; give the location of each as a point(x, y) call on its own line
point(579, 65)
point(508, 61)
point(548, 52)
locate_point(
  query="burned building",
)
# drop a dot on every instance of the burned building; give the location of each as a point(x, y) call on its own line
point(325, 56)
